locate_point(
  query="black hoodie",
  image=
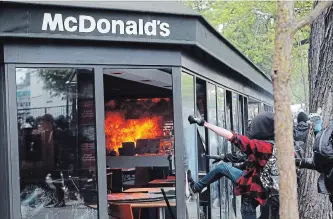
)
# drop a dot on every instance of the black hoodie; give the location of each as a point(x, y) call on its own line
point(262, 126)
point(301, 131)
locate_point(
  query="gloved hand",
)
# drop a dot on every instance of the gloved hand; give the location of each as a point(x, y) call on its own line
point(217, 158)
point(193, 120)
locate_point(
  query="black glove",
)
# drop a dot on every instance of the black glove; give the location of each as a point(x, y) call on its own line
point(193, 120)
point(217, 158)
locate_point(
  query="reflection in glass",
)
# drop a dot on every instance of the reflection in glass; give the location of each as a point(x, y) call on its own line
point(229, 185)
point(189, 136)
point(213, 150)
point(240, 114)
point(222, 149)
point(56, 122)
point(235, 112)
point(268, 108)
point(246, 117)
point(253, 108)
point(201, 113)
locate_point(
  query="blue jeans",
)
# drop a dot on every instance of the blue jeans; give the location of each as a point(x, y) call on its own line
point(249, 204)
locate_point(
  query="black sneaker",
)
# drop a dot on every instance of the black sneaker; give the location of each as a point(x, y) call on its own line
point(193, 120)
point(189, 176)
point(189, 184)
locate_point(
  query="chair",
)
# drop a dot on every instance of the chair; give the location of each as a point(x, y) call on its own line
point(121, 211)
point(160, 172)
point(109, 182)
point(142, 176)
point(117, 180)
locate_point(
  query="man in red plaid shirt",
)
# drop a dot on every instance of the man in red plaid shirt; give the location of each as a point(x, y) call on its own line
point(259, 149)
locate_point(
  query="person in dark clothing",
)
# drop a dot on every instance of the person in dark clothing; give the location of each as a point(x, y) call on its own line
point(325, 186)
point(61, 123)
point(322, 160)
point(301, 129)
point(51, 156)
point(239, 159)
point(259, 150)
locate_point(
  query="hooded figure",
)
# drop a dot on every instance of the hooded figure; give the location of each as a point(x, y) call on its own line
point(262, 126)
point(258, 182)
point(301, 129)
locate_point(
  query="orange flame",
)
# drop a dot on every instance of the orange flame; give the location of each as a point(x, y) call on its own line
point(119, 130)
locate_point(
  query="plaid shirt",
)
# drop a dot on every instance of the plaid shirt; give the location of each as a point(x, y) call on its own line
point(258, 153)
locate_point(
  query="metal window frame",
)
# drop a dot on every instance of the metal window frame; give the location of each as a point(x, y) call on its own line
point(13, 143)
point(12, 134)
point(10, 147)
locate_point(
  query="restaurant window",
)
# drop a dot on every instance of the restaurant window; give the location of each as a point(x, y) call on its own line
point(57, 143)
point(235, 112)
point(202, 150)
point(241, 114)
point(201, 131)
point(246, 116)
point(139, 132)
point(230, 198)
point(228, 117)
point(222, 142)
point(254, 108)
point(213, 150)
point(268, 108)
point(190, 160)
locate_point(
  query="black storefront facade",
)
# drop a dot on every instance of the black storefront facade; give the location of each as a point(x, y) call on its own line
point(104, 72)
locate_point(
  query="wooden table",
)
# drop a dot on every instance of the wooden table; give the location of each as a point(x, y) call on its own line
point(133, 199)
point(149, 190)
point(171, 177)
point(163, 182)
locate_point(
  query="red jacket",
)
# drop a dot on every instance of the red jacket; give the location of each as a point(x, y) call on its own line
point(258, 152)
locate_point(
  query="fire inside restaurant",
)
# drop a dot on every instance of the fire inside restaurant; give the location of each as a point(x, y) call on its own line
point(139, 123)
point(94, 99)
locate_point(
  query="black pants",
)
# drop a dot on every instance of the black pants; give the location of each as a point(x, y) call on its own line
point(58, 191)
point(60, 195)
point(248, 207)
point(271, 209)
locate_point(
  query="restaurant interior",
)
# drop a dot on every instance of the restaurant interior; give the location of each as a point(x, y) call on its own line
point(139, 138)
point(139, 142)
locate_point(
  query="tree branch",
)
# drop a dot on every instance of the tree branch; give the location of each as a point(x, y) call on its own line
point(302, 42)
point(297, 97)
point(308, 19)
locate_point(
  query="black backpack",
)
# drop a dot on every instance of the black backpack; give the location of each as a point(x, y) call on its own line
point(323, 150)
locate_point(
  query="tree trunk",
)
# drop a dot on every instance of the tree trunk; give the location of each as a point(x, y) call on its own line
point(320, 64)
point(283, 117)
point(310, 201)
point(313, 204)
